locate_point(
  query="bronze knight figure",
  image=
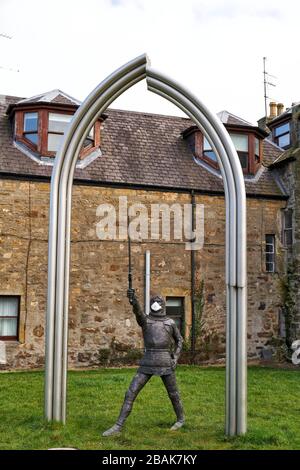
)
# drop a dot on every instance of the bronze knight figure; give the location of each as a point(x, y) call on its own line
point(161, 335)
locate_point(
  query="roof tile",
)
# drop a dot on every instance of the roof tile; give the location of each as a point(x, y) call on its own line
point(139, 149)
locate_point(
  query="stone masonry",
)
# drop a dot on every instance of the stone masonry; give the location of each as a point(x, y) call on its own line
point(100, 319)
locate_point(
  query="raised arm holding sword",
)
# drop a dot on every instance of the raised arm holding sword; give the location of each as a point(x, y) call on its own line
point(163, 344)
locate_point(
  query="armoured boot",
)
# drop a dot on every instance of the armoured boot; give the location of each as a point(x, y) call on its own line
point(135, 387)
point(115, 429)
point(171, 386)
point(124, 413)
point(178, 408)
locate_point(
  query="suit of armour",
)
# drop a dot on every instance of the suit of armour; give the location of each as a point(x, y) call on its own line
point(163, 344)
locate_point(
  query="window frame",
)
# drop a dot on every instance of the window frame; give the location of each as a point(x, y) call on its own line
point(253, 162)
point(240, 152)
point(47, 152)
point(19, 129)
point(258, 159)
point(276, 137)
point(95, 142)
point(36, 132)
point(206, 157)
point(270, 252)
point(285, 229)
point(13, 338)
point(182, 315)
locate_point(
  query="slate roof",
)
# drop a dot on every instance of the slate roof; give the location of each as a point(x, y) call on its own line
point(139, 149)
point(288, 155)
point(271, 152)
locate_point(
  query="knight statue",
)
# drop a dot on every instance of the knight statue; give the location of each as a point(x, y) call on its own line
point(163, 343)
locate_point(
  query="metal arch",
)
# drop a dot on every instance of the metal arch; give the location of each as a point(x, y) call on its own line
point(59, 229)
point(59, 236)
point(235, 242)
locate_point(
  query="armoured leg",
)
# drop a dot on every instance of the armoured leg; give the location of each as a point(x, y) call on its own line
point(171, 386)
point(137, 383)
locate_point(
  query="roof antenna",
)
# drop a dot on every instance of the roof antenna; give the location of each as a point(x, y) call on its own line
point(6, 36)
point(266, 84)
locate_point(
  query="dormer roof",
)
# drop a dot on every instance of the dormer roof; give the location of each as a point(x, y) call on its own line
point(53, 96)
point(230, 121)
point(228, 118)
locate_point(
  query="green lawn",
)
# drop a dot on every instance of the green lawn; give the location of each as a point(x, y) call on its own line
point(94, 399)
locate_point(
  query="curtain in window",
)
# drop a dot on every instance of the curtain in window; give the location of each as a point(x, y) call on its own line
point(9, 308)
point(240, 142)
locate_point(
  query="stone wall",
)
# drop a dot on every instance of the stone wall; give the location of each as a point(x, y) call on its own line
point(101, 324)
point(290, 175)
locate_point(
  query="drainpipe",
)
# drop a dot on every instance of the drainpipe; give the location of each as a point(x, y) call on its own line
point(147, 282)
point(193, 332)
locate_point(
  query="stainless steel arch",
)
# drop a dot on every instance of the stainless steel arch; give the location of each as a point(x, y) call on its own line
point(59, 236)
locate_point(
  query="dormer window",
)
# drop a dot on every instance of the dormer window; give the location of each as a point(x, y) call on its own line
point(30, 129)
point(247, 145)
point(40, 123)
point(42, 131)
point(247, 139)
point(281, 135)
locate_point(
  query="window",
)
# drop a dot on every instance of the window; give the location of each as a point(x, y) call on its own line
point(9, 317)
point(42, 130)
point(270, 253)
point(288, 228)
point(248, 147)
point(208, 151)
point(257, 150)
point(58, 124)
point(30, 129)
point(282, 135)
point(242, 147)
point(175, 310)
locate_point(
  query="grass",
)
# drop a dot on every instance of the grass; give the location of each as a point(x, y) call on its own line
point(95, 397)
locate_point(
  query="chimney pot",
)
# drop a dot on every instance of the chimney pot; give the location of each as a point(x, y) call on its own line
point(273, 109)
point(280, 108)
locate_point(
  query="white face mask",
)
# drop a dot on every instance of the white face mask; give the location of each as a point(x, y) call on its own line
point(156, 307)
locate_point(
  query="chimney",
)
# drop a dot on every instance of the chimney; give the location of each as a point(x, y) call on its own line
point(280, 108)
point(273, 110)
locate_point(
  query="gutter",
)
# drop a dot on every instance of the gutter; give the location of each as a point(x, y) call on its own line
point(144, 187)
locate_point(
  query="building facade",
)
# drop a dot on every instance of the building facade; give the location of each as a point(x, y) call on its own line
point(285, 131)
point(152, 162)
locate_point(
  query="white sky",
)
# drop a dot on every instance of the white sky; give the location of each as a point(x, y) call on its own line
point(215, 47)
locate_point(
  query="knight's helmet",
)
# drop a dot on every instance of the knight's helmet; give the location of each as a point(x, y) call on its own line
point(157, 306)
